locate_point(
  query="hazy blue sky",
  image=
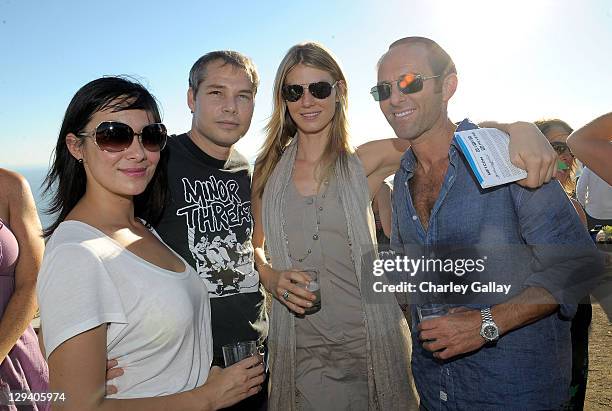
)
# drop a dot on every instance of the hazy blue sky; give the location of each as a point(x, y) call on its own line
point(516, 59)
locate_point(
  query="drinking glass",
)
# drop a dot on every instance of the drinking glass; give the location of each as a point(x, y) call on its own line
point(238, 351)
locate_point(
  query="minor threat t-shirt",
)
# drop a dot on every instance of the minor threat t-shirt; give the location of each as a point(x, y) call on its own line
point(207, 220)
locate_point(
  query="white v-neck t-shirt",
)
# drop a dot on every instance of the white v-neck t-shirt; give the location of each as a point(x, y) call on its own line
point(158, 320)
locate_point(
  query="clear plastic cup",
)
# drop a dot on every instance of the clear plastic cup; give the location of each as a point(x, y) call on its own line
point(314, 287)
point(431, 310)
point(235, 352)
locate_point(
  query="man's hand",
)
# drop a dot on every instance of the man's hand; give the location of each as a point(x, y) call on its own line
point(227, 386)
point(453, 334)
point(529, 150)
point(112, 371)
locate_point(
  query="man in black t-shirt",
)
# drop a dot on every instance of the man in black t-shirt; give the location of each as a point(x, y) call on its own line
point(207, 219)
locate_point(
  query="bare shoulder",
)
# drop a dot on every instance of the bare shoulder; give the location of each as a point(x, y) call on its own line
point(14, 186)
point(11, 180)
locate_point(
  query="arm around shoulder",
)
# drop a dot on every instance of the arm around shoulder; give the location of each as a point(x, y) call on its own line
point(529, 150)
point(592, 144)
point(380, 159)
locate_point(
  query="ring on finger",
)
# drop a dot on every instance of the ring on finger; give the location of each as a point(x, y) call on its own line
point(286, 295)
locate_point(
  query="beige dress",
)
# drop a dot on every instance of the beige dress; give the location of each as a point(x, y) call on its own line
point(331, 372)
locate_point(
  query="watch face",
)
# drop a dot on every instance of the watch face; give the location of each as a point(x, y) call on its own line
point(490, 332)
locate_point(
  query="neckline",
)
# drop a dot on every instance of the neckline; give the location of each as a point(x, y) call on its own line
point(136, 257)
point(294, 187)
point(323, 188)
point(202, 155)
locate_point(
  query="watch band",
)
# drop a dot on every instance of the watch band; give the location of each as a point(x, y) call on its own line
point(486, 315)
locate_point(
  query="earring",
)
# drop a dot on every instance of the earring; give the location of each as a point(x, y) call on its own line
point(80, 160)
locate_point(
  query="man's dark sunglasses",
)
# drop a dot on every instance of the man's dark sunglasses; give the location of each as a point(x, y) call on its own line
point(320, 90)
point(114, 137)
point(408, 83)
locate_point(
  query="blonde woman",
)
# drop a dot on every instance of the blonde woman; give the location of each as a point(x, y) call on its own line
point(311, 202)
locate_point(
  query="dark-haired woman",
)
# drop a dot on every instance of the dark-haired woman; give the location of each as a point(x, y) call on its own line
point(109, 287)
point(22, 365)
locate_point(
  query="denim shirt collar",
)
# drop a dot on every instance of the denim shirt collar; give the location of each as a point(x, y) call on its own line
point(409, 161)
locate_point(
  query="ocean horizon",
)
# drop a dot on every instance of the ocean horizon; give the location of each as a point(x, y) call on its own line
point(36, 176)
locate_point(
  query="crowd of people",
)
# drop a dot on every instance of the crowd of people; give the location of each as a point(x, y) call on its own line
point(164, 249)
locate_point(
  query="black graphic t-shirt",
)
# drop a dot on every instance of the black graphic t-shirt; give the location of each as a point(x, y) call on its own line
point(207, 220)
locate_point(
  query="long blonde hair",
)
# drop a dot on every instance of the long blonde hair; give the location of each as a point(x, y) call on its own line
point(281, 128)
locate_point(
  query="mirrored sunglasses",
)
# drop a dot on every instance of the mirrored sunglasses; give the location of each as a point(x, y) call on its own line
point(408, 83)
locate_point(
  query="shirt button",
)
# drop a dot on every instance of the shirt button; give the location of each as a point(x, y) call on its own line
point(315, 237)
point(415, 217)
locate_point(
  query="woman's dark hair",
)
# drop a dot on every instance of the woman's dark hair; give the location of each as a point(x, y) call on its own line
point(66, 180)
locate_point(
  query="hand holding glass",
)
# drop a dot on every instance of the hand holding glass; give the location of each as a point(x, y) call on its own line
point(431, 310)
point(314, 287)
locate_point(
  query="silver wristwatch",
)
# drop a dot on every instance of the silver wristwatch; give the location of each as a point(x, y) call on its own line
point(488, 330)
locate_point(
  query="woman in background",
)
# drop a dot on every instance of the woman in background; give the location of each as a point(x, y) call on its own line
point(557, 132)
point(22, 365)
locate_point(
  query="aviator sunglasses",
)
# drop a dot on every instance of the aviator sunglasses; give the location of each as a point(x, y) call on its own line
point(320, 90)
point(114, 137)
point(408, 83)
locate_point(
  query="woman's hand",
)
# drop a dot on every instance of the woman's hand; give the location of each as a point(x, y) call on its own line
point(529, 150)
point(292, 285)
point(228, 386)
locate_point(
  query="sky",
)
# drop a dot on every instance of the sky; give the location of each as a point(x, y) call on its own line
point(516, 60)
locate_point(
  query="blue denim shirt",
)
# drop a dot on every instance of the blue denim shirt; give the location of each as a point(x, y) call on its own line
point(528, 368)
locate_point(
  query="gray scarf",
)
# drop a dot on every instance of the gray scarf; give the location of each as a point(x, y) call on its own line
point(388, 344)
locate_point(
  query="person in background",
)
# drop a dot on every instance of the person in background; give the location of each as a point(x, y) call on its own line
point(22, 365)
point(592, 145)
point(109, 287)
point(595, 195)
point(381, 208)
point(557, 131)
